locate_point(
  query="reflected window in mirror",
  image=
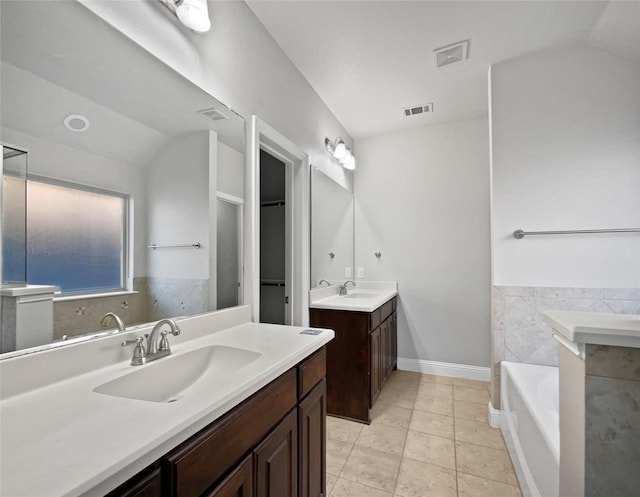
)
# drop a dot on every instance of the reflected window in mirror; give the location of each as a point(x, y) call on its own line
point(76, 237)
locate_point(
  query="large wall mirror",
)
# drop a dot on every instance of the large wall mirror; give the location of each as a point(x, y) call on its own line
point(134, 175)
point(332, 230)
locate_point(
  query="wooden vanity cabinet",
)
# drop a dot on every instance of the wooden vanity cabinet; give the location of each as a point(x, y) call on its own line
point(271, 445)
point(239, 483)
point(359, 358)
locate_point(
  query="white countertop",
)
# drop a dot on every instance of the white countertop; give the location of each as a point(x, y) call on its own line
point(63, 439)
point(366, 296)
point(575, 329)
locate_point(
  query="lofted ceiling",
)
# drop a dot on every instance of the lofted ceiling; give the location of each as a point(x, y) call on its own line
point(370, 59)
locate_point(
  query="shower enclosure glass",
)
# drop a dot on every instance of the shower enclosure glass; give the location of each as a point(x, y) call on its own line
point(14, 198)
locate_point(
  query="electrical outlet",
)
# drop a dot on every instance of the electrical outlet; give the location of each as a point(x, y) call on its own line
point(360, 272)
point(347, 272)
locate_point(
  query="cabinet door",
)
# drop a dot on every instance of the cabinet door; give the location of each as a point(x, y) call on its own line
point(393, 336)
point(312, 434)
point(238, 484)
point(384, 351)
point(276, 461)
point(375, 364)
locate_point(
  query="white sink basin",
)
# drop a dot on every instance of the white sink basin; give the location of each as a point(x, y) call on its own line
point(164, 379)
point(361, 296)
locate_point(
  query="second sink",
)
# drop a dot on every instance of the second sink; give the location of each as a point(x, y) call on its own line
point(164, 380)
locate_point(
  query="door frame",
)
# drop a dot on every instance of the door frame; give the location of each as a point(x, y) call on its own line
point(267, 138)
point(239, 203)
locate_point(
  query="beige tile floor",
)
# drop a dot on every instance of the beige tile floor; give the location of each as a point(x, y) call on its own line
point(429, 437)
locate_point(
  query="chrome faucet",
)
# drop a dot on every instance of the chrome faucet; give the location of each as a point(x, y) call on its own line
point(343, 287)
point(110, 316)
point(154, 350)
point(152, 340)
point(325, 281)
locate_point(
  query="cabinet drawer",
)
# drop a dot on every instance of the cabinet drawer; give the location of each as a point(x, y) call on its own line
point(141, 485)
point(386, 309)
point(375, 319)
point(311, 371)
point(201, 461)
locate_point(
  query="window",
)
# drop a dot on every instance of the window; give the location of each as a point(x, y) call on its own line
point(76, 237)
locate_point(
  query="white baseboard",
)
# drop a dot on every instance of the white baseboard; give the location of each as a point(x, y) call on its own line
point(494, 416)
point(445, 369)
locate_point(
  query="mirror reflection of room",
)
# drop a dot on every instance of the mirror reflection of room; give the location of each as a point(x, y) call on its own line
point(332, 230)
point(112, 204)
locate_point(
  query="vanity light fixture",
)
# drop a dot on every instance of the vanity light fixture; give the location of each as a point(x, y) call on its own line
point(340, 152)
point(194, 14)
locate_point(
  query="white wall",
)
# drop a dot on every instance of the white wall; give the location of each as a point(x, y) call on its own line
point(178, 208)
point(565, 128)
point(422, 200)
point(230, 171)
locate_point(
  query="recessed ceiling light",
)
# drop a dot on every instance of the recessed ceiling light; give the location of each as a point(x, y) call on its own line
point(76, 123)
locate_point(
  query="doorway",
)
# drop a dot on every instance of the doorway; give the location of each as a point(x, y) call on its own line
point(265, 139)
point(229, 251)
point(274, 240)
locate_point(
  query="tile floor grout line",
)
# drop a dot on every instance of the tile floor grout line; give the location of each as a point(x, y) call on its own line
point(455, 448)
point(490, 479)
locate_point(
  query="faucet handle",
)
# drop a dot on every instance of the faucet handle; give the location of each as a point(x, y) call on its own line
point(139, 354)
point(164, 343)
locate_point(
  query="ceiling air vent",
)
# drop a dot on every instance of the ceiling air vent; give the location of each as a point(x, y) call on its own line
point(419, 109)
point(213, 114)
point(451, 54)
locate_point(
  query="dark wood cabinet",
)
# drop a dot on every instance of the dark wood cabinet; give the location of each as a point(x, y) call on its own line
point(276, 461)
point(360, 358)
point(239, 483)
point(376, 359)
point(312, 430)
point(271, 445)
point(148, 483)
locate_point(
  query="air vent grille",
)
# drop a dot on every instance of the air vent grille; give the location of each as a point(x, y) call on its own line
point(452, 54)
point(418, 109)
point(213, 114)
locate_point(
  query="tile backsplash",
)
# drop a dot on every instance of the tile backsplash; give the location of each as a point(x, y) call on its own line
point(155, 298)
point(519, 332)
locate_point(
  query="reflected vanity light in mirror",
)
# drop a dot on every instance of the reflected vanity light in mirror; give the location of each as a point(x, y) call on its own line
point(340, 152)
point(194, 14)
point(137, 139)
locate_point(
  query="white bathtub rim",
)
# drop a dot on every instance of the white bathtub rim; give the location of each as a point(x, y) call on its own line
point(546, 424)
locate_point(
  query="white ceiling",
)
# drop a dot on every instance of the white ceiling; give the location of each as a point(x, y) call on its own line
point(369, 59)
point(59, 58)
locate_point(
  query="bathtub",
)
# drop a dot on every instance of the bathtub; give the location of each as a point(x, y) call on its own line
point(529, 421)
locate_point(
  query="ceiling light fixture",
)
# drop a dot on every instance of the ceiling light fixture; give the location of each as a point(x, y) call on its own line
point(340, 152)
point(194, 14)
point(76, 123)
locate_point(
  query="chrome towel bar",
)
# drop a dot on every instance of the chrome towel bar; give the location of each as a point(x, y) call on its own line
point(196, 245)
point(519, 234)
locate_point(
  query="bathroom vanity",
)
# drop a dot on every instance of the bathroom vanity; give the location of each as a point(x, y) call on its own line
point(599, 402)
point(238, 408)
point(365, 349)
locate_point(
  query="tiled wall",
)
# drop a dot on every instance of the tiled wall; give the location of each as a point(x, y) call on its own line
point(519, 332)
point(612, 411)
point(155, 299)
